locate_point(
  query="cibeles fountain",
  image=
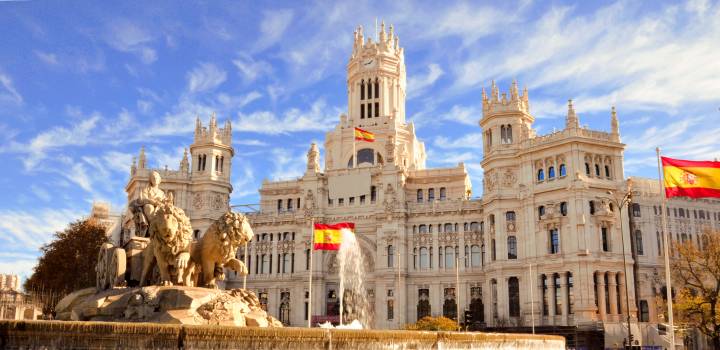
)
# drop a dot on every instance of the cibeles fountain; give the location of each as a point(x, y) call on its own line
point(177, 303)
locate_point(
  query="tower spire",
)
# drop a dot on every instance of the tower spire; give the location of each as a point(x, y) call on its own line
point(142, 161)
point(614, 124)
point(571, 121)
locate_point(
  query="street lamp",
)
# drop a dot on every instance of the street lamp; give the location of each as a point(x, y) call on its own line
point(620, 203)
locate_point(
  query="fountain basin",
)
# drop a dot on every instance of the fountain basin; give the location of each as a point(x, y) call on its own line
point(103, 335)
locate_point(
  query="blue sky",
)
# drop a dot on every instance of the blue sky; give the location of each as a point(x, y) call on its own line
point(83, 85)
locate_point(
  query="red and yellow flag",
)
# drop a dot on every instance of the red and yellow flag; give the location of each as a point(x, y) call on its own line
point(329, 237)
point(364, 135)
point(689, 178)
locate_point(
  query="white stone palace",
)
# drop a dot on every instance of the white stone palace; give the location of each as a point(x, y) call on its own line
point(545, 226)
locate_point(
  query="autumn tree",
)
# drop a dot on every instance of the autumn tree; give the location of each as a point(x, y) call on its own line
point(67, 263)
point(696, 278)
point(429, 323)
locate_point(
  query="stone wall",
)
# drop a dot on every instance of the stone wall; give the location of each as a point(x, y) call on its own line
point(102, 335)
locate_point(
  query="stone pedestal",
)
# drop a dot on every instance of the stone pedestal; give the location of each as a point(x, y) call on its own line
point(172, 304)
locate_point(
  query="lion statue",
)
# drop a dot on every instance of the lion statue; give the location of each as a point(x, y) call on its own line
point(218, 247)
point(170, 242)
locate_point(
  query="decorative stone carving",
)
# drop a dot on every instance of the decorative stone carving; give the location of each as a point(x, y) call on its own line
point(390, 149)
point(309, 203)
point(110, 267)
point(509, 178)
point(198, 202)
point(218, 247)
point(390, 201)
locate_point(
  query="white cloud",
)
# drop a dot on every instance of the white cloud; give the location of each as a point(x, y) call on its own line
point(468, 22)
point(272, 27)
point(8, 93)
point(251, 69)
point(57, 137)
point(245, 184)
point(468, 115)
point(206, 76)
point(473, 140)
point(287, 165)
point(28, 230)
point(126, 36)
point(320, 117)
point(418, 83)
point(40, 192)
point(47, 58)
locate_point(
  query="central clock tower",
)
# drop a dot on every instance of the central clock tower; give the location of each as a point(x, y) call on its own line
point(376, 80)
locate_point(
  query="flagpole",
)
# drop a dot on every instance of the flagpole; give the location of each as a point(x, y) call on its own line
point(312, 248)
point(397, 293)
point(666, 239)
point(354, 156)
point(457, 289)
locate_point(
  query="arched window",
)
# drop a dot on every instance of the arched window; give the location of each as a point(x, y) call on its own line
point(449, 257)
point(587, 169)
point(508, 134)
point(475, 256)
point(639, 243)
point(474, 226)
point(423, 228)
point(377, 89)
point(431, 195)
point(448, 227)
point(551, 172)
point(597, 170)
point(554, 241)
point(265, 267)
point(563, 170)
point(390, 256)
point(419, 196)
point(424, 258)
point(510, 216)
point(373, 194)
point(369, 90)
point(541, 211)
point(563, 208)
point(512, 247)
point(540, 175)
point(544, 281)
point(366, 155)
point(362, 91)
point(503, 134)
point(514, 296)
point(443, 193)
point(607, 171)
point(636, 210)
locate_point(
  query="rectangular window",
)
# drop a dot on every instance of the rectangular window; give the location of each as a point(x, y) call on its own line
point(362, 199)
point(341, 201)
point(377, 109)
point(306, 311)
point(644, 311)
point(554, 241)
point(605, 243)
point(369, 110)
point(373, 194)
point(362, 111)
point(351, 201)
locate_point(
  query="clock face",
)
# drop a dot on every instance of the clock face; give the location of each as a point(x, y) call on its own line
point(368, 63)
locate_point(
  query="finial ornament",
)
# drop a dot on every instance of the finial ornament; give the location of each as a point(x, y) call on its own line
point(572, 120)
point(614, 124)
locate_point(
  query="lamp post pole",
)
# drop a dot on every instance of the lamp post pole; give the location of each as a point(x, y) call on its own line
point(621, 203)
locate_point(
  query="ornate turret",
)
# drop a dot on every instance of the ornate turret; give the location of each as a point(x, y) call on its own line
point(313, 159)
point(571, 121)
point(614, 125)
point(185, 163)
point(142, 161)
point(500, 103)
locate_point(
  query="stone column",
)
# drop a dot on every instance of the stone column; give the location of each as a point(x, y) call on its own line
point(612, 293)
point(623, 289)
point(601, 295)
point(565, 304)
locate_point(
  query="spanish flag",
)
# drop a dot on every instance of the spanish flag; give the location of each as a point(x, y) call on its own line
point(364, 135)
point(329, 237)
point(689, 178)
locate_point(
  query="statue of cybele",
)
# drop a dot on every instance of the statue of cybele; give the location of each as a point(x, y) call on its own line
point(143, 208)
